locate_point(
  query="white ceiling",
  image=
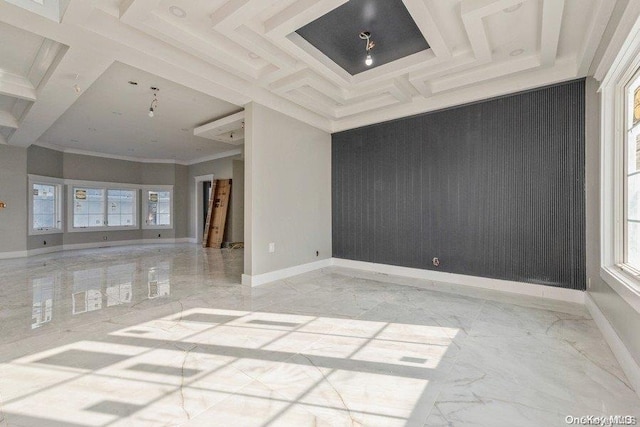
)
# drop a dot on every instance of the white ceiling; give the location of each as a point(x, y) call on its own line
point(246, 50)
point(111, 117)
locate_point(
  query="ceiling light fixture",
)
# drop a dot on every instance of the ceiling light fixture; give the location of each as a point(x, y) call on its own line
point(154, 102)
point(177, 12)
point(366, 35)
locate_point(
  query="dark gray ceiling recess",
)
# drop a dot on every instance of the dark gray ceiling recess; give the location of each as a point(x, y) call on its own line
point(392, 29)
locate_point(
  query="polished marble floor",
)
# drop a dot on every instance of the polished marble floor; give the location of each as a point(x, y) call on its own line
point(166, 335)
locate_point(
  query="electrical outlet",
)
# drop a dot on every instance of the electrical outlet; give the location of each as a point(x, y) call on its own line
point(272, 248)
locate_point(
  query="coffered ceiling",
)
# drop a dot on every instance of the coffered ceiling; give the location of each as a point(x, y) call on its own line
point(249, 50)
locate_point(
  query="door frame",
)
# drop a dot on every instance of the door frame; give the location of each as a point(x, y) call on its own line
point(198, 220)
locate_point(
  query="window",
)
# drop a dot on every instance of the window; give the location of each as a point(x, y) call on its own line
point(158, 204)
point(632, 176)
point(121, 208)
point(45, 207)
point(88, 207)
point(102, 206)
point(620, 170)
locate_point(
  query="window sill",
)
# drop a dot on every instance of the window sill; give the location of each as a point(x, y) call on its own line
point(157, 227)
point(102, 229)
point(624, 284)
point(46, 231)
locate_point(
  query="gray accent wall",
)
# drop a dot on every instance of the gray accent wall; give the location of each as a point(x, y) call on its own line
point(13, 187)
point(493, 189)
point(45, 162)
point(92, 168)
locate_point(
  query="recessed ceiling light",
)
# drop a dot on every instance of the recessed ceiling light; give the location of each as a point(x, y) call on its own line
point(253, 55)
point(177, 12)
point(512, 8)
point(133, 83)
point(516, 52)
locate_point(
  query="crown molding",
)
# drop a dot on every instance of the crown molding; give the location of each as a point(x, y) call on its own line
point(65, 150)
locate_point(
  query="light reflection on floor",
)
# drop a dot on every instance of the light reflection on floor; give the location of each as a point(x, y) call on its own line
point(165, 335)
point(304, 369)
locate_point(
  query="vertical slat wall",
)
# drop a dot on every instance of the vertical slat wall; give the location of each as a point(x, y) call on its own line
point(494, 189)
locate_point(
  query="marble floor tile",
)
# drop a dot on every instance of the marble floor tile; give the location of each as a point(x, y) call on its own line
point(167, 335)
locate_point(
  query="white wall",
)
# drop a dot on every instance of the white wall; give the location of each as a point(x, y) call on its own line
point(623, 318)
point(287, 191)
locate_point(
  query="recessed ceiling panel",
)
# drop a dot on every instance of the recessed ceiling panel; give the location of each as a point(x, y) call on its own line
point(392, 29)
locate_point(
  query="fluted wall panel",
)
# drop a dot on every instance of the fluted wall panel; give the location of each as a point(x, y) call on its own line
point(493, 189)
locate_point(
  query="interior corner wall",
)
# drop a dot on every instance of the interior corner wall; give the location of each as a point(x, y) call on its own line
point(287, 191)
point(13, 190)
point(181, 201)
point(623, 318)
point(237, 203)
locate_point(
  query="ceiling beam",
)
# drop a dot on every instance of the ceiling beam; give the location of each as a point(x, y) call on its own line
point(16, 86)
point(428, 27)
point(58, 94)
point(473, 12)
point(594, 36)
point(8, 120)
point(552, 12)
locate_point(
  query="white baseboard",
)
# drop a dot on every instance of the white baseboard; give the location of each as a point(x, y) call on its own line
point(45, 250)
point(261, 279)
point(14, 254)
point(521, 288)
point(91, 245)
point(627, 362)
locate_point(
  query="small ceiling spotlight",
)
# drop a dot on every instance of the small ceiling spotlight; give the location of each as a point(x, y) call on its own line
point(154, 102)
point(76, 86)
point(366, 35)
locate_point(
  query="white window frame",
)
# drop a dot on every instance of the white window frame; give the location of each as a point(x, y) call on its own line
point(622, 278)
point(145, 206)
point(106, 186)
point(59, 189)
